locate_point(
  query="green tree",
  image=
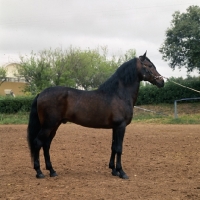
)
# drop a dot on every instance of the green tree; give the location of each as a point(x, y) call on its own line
point(2, 75)
point(73, 67)
point(44, 69)
point(182, 44)
point(90, 67)
point(129, 54)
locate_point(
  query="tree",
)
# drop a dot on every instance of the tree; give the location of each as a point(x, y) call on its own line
point(129, 54)
point(44, 69)
point(85, 69)
point(90, 67)
point(2, 75)
point(182, 44)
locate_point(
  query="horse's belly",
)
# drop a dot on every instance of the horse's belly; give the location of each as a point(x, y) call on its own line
point(91, 122)
point(100, 120)
point(97, 120)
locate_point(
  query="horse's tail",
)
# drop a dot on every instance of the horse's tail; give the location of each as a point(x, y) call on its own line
point(33, 126)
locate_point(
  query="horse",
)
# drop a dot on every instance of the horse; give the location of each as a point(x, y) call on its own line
point(110, 106)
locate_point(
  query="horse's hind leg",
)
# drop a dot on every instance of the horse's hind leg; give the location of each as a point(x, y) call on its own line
point(37, 164)
point(46, 148)
point(112, 157)
point(38, 143)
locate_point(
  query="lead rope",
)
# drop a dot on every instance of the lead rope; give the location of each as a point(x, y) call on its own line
point(181, 85)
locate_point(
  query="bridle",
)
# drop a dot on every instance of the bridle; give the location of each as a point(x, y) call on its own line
point(148, 71)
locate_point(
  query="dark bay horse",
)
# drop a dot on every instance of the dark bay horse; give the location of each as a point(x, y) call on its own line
point(110, 107)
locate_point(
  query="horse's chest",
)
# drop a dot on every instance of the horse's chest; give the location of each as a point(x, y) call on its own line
point(125, 110)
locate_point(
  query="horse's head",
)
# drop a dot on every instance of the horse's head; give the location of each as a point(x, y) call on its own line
point(148, 72)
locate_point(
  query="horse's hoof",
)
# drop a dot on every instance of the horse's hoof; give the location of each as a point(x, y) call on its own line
point(123, 176)
point(115, 172)
point(53, 174)
point(40, 176)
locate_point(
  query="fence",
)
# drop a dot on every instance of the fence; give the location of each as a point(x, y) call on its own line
point(175, 104)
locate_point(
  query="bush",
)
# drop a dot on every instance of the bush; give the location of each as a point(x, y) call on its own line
point(150, 94)
point(14, 105)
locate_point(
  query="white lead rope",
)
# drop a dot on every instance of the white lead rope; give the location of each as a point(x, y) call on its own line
point(181, 85)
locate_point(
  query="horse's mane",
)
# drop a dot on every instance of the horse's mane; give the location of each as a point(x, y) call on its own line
point(125, 74)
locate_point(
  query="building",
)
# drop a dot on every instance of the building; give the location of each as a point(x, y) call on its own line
point(14, 83)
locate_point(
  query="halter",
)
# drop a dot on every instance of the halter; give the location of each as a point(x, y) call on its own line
point(147, 70)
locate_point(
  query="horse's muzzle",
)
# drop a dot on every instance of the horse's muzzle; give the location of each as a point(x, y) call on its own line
point(159, 82)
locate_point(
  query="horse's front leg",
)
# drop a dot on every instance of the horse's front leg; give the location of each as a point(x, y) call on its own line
point(118, 136)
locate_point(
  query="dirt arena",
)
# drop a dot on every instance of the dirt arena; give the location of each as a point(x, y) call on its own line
point(162, 162)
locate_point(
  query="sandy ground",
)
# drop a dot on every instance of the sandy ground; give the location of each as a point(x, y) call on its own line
point(162, 162)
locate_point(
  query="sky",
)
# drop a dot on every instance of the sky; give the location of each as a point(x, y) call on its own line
point(35, 25)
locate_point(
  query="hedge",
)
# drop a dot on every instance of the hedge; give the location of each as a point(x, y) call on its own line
point(148, 94)
point(14, 105)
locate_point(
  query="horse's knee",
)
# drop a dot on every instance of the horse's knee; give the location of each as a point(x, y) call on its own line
point(38, 143)
point(46, 143)
point(118, 149)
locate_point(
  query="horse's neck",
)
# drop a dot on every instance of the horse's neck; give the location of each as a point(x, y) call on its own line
point(133, 91)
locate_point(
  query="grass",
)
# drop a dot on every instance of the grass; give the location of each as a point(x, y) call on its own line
point(188, 119)
point(18, 118)
point(184, 119)
point(188, 113)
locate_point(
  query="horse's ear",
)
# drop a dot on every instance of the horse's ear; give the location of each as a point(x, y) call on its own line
point(145, 54)
point(143, 57)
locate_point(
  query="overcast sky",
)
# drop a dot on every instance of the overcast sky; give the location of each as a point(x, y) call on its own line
point(27, 25)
